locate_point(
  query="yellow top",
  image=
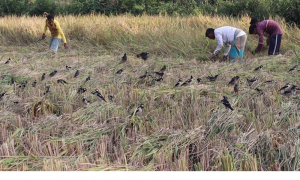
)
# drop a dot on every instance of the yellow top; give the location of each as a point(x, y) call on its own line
point(56, 31)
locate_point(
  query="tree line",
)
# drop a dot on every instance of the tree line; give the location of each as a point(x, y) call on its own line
point(289, 9)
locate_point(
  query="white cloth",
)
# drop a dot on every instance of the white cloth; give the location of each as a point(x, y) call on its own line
point(225, 35)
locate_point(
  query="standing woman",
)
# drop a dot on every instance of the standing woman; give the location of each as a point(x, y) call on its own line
point(56, 33)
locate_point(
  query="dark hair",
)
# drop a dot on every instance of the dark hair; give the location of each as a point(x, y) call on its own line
point(253, 21)
point(50, 16)
point(251, 28)
point(208, 31)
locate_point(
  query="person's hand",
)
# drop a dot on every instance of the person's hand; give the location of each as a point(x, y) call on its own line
point(225, 57)
point(66, 46)
point(43, 36)
point(213, 57)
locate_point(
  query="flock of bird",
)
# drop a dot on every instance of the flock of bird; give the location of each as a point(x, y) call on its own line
point(288, 89)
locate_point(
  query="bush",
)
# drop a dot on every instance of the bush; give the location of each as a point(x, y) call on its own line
point(41, 6)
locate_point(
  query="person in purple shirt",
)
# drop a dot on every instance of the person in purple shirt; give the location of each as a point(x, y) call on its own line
point(272, 29)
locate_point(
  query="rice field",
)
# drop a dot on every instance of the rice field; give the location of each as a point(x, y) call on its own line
point(180, 129)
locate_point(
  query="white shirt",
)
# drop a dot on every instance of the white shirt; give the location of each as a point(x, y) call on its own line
point(225, 35)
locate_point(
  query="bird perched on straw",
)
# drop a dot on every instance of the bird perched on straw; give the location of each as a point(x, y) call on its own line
point(159, 73)
point(98, 94)
point(110, 97)
point(8, 61)
point(2, 95)
point(47, 89)
point(188, 82)
point(120, 71)
point(43, 76)
point(285, 87)
point(293, 68)
point(199, 79)
point(236, 88)
point(212, 78)
point(34, 83)
point(81, 90)
point(258, 68)
point(76, 74)
point(62, 81)
point(53, 73)
point(226, 103)
point(124, 58)
point(251, 81)
point(234, 80)
point(260, 91)
point(144, 76)
point(143, 55)
point(270, 82)
point(88, 78)
point(84, 100)
point(163, 68)
point(138, 111)
point(178, 83)
point(68, 67)
point(23, 85)
point(291, 91)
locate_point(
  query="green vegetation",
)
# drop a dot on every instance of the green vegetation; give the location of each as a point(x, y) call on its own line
point(262, 9)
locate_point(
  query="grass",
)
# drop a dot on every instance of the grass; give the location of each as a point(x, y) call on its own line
point(183, 129)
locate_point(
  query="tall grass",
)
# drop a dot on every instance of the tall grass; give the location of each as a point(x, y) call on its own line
point(180, 129)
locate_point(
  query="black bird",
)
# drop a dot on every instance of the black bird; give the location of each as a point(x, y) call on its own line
point(23, 85)
point(84, 100)
point(234, 80)
point(293, 68)
point(110, 97)
point(120, 71)
point(159, 79)
point(259, 90)
point(87, 79)
point(47, 89)
point(143, 55)
point(159, 73)
point(144, 76)
point(12, 80)
point(97, 93)
point(226, 103)
point(68, 67)
point(43, 76)
point(163, 69)
point(270, 82)
point(138, 111)
point(8, 61)
point(178, 83)
point(62, 81)
point(52, 73)
point(124, 58)
point(212, 78)
point(81, 90)
point(2, 95)
point(187, 82)
point(199, 79)
point(291, 91)
point(258, 68)
point(34, 83)
point(285, 87)
point(236, 88)
point(251, 81)
point(76, 74)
